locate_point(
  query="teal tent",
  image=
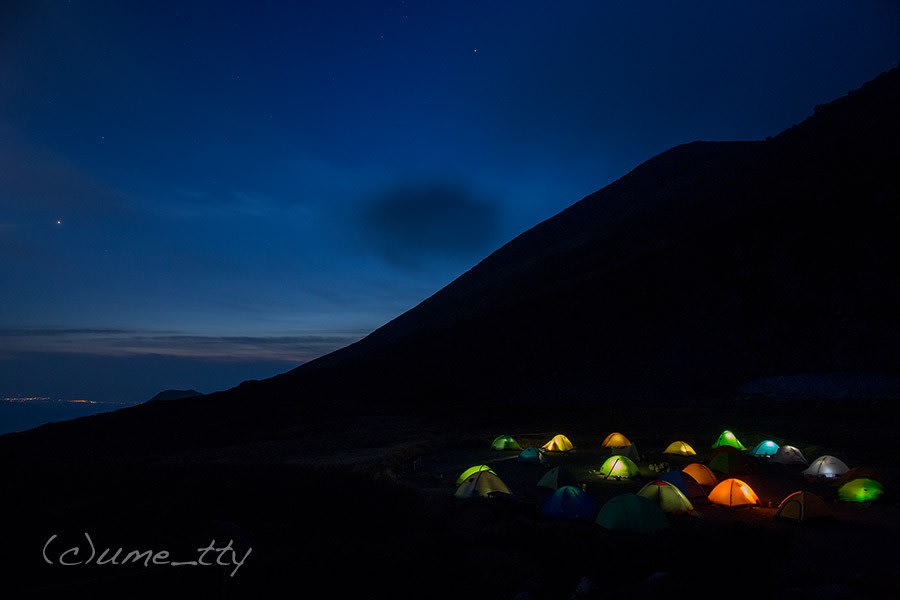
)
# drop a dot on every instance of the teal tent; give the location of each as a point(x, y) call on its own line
point(531, 455)
point(630, 513)
point(764, 449)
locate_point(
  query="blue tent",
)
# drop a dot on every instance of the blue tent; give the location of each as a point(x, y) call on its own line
point(531, 455)
point(569, 503)
point(684, 482)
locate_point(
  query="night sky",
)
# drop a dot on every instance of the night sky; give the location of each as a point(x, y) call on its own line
point(197, 193)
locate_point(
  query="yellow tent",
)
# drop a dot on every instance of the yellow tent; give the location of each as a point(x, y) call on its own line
point(616, 440)
point(559, 443)
point(680, 448)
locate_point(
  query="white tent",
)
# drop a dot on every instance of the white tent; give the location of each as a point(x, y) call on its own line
point(482, 483)
point(789, 455)
point(826, 466)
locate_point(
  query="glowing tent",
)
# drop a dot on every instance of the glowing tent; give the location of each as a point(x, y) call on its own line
point(728, 462)
point(860, 490)
point(801, 506)
point(556, 478)
point(680, 448)
point(616, 440)
point(765, 449)
point(471, 471)
point(531, 455)
point(482, 483)
point(559, 443)
point(733, 492)
point(789, 455)
point(618, 467)
point(569, 502)
point(727, 438)
point(867, 472)
point(684, 482)
point(631, 513)
point(826, 466)
point(668, 497)
point(701, 474)
point(505, 442)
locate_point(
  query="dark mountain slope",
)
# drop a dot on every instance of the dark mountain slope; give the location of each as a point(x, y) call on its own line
point(708, 265)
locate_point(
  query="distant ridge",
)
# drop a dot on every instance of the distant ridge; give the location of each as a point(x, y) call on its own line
point(174, 395)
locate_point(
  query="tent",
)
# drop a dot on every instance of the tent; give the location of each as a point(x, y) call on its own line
point(727, 438)
point(680, 448)
point(505, 442)
point(471, 471)
point(627, 451)
point(668, 497)
point(616, 440)
point(684, 482)
point(531, 455)
point(733, 492)
point(801, 506)
point(789, 455)
point(765, 449)
point(701, 474)
point(859, 472)
point(728, 462)
point(556, 478)
point(860, 490)
point(482, 483)
point(724, 450)
point(559, 443)
point(631, 513)
point(569, 502)
point(618, 467)
point(826, 466)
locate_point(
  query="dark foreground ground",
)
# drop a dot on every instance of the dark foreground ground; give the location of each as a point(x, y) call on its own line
point(364, 507)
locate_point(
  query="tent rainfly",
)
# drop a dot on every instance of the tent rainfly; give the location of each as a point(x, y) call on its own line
point(505, 442)
point(728, 462)
point(789, 455)
point(616, 440)
point(630, 513)
point(702, 474)
point(569, 502)
point(618, 467)
point(482, 483)
point(628, 451)
point(764, 449)
point(733, 492)
point(668, 497)
point(801, 506)
point(684, 482)
point(826, 466)
point(860, 490)
point(531, 455)
point(680, 448)
point(559, 443)
point(556, 478)
point(727, 438)
point(471, 471)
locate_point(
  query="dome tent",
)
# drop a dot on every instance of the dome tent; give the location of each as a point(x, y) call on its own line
point(801, 506)
point(668, 497)
point(764, 449)
point(618, 467)
point(471, 471)
point(680, 448)
point(826, 466)
point(556, 478)
point(789, 455)
point(616, 440)
point(505, 442)
point(860, 490)
point(482, 483)
point(531, 455)
point(701, 474)
point(569, 502)
point(727, 460)
point(727, 438)
point(684, 482)
point(627, 451)
point(630, 513)
point(733, 492)
point(559, 443)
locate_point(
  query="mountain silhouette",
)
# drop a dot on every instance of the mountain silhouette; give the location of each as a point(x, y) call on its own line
point(710, 265)
point(174, 395)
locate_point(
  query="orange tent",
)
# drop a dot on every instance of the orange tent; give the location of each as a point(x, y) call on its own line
point(616, 440)
point(733, 492)
point(702, 474)
point(802, 506)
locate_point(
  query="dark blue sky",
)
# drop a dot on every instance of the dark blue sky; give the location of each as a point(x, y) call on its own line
point(192, 194)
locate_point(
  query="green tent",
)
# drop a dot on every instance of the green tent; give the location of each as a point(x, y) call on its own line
point(631, 513)
point(471, 471)
point(860, 490)
point(728, 462)
point(619, 466)
point(727, 438)
point(505, 442)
